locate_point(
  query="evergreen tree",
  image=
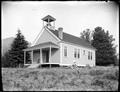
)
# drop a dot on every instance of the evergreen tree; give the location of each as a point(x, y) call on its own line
point(102, 41)
point(16, 54)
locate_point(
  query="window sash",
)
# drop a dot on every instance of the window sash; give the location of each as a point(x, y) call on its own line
point(75, 53)
point(91, 55)
point(83, 52)
point(88, 55)
point(78, 53)
point(65, 51)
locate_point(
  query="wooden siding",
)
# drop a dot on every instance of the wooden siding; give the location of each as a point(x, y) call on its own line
point(82, 61)
point(55, 58)
point(46, 37)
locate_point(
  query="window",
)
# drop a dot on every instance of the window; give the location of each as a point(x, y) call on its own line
point(78, 53)
point(83, 52)
point(75, 53)
point(88, 55)
point(91, 55)
point(65, 51)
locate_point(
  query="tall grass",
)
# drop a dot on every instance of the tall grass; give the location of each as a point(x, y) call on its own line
point(64, 79)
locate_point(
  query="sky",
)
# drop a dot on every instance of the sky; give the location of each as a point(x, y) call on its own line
point(73, 16)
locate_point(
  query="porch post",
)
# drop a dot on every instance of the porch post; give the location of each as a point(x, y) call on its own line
point(24, 57)
point(41, 55)
point(50, 56)
point(32, 56)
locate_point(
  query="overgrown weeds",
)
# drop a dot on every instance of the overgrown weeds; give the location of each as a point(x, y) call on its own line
point(65, 79)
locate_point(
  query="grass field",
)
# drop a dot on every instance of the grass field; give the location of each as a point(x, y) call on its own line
point(60, 79)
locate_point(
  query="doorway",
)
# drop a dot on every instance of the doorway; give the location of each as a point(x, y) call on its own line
point(45, 55)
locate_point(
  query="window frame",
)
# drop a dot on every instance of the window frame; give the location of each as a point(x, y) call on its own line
point(91, 56)
point(83, 52)
point(65, 51)
point(78, 53)
point(75, 53)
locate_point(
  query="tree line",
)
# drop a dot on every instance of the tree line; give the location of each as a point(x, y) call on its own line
point(98, 38)
point(103, 42)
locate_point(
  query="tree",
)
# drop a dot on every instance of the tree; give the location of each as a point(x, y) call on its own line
point(102, 41)
point(5, 60)
point(86, 35)
point(16, 54)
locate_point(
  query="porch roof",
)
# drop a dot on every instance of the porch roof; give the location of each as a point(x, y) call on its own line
point(42, 45)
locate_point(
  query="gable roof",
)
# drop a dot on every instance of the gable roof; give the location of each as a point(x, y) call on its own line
point(72, 39)
point(48, 17)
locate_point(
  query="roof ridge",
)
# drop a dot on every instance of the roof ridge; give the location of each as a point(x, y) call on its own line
point(78, 38)
point(71, 38)
point(71, 35)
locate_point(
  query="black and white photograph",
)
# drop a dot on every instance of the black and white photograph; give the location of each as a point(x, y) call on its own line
point(60, 45)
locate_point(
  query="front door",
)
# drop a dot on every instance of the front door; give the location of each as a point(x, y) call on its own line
point(45, 55)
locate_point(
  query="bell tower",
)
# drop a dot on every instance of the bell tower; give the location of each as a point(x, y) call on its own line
point(49, 21)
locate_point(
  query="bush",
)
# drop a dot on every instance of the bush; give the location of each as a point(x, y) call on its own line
point(111, 75)
point(117, 74)
point(87, 66)
point(96, 72)
point(105, 84)
point(117, 62)
point(5, 60)
point(98, 82)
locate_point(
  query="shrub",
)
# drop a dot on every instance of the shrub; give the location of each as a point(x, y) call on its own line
point(87, 66)
point(106, 84)
point(109, 76)
point(50, 82)
point(96, 72)
point(5, 60)
point(117, 74)
point(112, 75)
point(98, 82)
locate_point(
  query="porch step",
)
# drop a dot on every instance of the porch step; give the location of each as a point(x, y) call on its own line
point(33, 66)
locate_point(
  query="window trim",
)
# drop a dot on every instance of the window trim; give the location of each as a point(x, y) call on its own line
point(88, 55)
point(91, 56)
point(75, 53)
point(83, 52)
point(65, 51)
point(78, 53)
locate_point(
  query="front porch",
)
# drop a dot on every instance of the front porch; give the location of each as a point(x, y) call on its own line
point(40, 54)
